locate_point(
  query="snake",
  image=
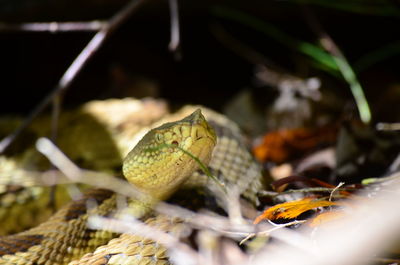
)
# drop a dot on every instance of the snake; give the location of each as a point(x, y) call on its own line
point(158, 165)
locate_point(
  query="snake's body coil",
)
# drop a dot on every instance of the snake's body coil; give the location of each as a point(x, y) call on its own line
point(157, 172)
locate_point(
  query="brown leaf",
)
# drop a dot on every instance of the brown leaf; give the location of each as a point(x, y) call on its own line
point(279, 146)
point(289, 210)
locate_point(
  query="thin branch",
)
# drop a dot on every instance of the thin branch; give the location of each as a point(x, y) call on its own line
point(135, 227)
point(305, 190)
point(178, 251)
point(395, 165)
point(335, 190)
point(269, 231)
point(77, 65)
point(383, 126)
point(54, 27)
point(75, 174)
point(175, 35)
point(216, 223)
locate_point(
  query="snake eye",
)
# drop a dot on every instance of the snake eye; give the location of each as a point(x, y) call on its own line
point(159, 137)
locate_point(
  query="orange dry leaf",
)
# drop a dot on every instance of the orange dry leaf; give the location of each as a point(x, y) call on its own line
point(326, 217)
point(289, 210)
point(282, 145)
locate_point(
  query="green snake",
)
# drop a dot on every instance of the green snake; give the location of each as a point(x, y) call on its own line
point(158, 165)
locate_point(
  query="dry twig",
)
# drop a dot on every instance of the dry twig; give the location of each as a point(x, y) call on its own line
point(77, 65)
point(175, 36)
point(54, 27)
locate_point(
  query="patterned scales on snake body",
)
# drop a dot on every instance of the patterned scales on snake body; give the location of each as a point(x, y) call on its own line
point(65, 236)
point(234, 166)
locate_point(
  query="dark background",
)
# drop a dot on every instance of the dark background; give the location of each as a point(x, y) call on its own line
point(209, 72)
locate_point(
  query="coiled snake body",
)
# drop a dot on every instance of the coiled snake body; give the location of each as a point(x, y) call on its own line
point(155, 171)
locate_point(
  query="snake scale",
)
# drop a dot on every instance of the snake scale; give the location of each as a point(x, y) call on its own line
point(65, 237)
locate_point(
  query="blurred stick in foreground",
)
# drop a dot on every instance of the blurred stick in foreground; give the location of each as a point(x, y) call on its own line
point(54, 27)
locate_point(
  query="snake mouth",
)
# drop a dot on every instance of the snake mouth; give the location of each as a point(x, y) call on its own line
point(205, 133)
point(197, 119)
point(209, 137)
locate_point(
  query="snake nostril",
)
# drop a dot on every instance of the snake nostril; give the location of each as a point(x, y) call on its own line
point(175, 143)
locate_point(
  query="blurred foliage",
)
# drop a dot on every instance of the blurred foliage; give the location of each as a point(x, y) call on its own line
point(331, 63)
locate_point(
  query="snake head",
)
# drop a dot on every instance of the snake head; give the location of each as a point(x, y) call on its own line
point(158, 164)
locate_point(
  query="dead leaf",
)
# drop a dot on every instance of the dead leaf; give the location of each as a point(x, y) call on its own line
point(279, 146)
point(290, 210)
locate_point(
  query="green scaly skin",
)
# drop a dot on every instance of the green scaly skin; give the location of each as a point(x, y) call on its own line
point(158, 174)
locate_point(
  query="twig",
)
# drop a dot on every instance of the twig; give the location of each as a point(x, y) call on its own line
point(76, 66)
point(74, 173)
point(269, 231)
point(395, 165)
point(223, 226)
point(54, 27)
point(138, 228)
point(175, 36)
point(216, 223)
point(335, 190)
point(233, 205)
point(133, 226)
point(305, 190)
point(383, 126)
